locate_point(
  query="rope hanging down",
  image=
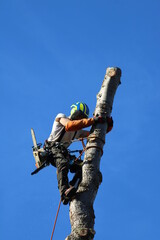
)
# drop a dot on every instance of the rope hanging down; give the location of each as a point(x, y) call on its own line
point(56, 218)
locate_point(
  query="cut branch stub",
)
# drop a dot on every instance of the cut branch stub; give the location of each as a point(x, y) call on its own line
point(107, 92)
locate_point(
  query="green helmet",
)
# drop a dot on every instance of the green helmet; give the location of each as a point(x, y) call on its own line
point(79, 110)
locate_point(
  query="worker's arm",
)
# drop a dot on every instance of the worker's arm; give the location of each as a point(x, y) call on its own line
point(63, 121)
point(76, 124)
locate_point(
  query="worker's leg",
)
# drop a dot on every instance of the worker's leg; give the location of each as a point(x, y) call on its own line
point(62, 175)
point(62, 165)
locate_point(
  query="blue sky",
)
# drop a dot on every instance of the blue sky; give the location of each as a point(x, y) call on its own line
point(52, 54)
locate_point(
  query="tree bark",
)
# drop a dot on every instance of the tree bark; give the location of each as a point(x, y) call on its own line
point(81, 207)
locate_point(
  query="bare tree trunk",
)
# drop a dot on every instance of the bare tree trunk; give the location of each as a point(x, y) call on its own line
point(81, 208)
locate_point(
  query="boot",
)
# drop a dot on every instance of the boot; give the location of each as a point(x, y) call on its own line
point(66, 191)
point(68, 195)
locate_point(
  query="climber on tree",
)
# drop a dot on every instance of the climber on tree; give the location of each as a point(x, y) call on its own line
point(64, 130)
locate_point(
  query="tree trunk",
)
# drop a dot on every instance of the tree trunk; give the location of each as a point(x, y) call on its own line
point(81, 208)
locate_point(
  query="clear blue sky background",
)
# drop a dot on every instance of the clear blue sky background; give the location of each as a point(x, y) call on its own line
point(53, 53)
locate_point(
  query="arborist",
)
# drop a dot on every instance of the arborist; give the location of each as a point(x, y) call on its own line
point(64, 130)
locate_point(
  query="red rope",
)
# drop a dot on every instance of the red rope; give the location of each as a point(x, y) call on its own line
point(56, 219)
point(84, 148)
point(82, 140)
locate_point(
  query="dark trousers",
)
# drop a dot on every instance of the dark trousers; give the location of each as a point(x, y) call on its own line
point(60, 159)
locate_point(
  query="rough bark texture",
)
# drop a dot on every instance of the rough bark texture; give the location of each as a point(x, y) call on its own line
point(81, 208)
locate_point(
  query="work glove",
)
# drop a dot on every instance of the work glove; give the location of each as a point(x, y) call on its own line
point(110, 124)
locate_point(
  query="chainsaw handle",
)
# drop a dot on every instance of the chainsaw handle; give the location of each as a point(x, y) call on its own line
point(38, 146)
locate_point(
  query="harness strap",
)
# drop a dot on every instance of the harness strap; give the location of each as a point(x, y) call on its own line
point(62, 135)
point(74, 135)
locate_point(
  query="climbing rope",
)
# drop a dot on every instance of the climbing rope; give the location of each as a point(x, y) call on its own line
point(92, 146)
point(56, 219)
point(84, 148)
